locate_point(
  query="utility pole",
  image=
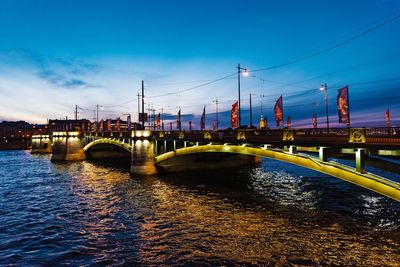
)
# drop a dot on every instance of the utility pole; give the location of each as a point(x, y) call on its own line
point(97, 113)
point(76, 112)
point(251, 113)
point(216, 113)
point(324, 88)
point(162, 119)
point(138, 106)
point(143, 103)
point(154, 118)
point(240, 117)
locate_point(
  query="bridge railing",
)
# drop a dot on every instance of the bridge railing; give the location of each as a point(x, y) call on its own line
point(307, 136)
point(383, 135)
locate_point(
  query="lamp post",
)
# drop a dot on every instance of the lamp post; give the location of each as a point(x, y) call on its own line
point(324, 88)
point(216, 105)
point(245, 73)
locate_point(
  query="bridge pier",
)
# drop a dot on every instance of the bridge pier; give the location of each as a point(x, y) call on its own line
point(67, 146)
point(142, 153)
point(41, 144)
point(292, 149)
point(323, 154)
point(360, 160)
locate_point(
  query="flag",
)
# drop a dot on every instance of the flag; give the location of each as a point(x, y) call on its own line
point(118, 124)
point(129, 122)
point(314, 121)
point(234, 115)
point(108, 125)
point(278, 109)
point(343, 105)
point(178, 120)
point(158, 121)
point(203, 119)
point(387, 118)
point(101, 125)
point(289, 122)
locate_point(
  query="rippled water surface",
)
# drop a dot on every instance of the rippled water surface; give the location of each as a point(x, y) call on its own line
point(83, 213)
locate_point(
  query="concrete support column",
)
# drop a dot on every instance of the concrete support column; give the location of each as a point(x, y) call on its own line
point(360, 160)
point(267, 146)
point(143, 153)
point(41, 144)
point(323, 154)
point(184, 143)
point(174, 145)
point(292, 149)
point(165, 147)
point(67, 146)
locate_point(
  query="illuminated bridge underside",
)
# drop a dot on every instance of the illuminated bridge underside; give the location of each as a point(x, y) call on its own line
point(126, 147)
point(367, 180)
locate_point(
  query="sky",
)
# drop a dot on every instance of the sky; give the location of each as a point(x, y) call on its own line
point(55, 55)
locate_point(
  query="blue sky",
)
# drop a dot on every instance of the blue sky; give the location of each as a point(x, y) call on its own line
point(58, 54)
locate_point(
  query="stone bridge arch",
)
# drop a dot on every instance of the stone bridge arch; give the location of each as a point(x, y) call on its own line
point(114, 142)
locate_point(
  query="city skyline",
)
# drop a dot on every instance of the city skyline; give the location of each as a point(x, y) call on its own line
point(99, 56)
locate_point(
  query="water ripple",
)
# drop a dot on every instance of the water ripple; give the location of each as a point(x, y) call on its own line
point(81, 213)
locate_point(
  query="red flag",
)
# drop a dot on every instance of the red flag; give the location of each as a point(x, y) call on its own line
point(343, 105)
point(387, 118)
point(314, 121)
point(289, 122)
point(278, 109)
point(234, 115)
point(101, 125)
point(118, 124)
point(203, 119)
point(108, 125)
point(158, 121)
point(178, 120)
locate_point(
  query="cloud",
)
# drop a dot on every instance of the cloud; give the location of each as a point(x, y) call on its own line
point(61, 80)
point(61, 72)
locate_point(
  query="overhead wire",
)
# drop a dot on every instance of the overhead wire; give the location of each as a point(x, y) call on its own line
point(331, 47)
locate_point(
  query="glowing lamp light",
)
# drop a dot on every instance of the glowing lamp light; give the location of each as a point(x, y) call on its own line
point(322, 87)
point(245, 72)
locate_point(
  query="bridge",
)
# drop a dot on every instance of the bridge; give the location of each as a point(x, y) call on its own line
point(150, 152)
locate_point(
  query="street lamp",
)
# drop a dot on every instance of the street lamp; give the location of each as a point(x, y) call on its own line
point(245, 73)
point(216, 103)
point(324, 88)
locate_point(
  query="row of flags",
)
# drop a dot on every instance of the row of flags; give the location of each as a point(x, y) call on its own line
point(342, 105)
point(106, 125)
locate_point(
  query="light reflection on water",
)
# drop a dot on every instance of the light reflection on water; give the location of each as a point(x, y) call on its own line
point(85, 213)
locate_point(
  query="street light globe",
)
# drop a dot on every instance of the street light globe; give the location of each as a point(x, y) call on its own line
point(246, 72)
point(322, 87)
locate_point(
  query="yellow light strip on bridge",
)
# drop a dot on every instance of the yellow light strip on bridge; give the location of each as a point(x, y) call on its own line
point(108, 141)
point(369, 181)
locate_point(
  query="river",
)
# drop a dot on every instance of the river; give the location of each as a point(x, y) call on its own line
point(85, 213)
